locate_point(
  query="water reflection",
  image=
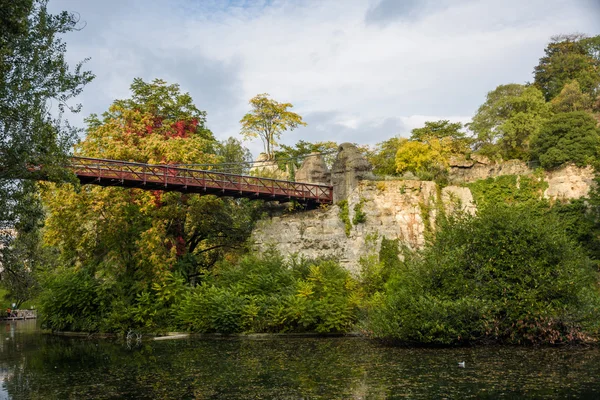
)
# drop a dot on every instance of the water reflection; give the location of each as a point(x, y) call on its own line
point(35, 366)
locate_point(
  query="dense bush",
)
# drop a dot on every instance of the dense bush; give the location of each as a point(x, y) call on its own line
point(567, 137)
point(508, 189)
point(509, 275)
point(257, 294)
point(72, 301)
point(270, 295)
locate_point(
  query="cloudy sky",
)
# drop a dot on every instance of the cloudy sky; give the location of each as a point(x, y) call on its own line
point(356, 70)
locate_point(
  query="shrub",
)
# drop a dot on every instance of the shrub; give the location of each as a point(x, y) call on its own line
point(509, 189)
point(72, 301)
point(509, 274)
point(344, 214)
point(266, 294)
point(359, 215)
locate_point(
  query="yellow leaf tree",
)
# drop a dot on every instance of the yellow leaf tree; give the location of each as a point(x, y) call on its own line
point(130, 240)
point(267, 120)
point(430, 148)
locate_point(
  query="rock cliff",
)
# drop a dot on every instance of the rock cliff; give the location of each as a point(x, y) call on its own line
point(399, 209)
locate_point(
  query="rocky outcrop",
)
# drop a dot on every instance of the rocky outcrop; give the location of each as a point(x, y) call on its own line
point(463, 170)
point(349, 168)
point(314, 170)
point(267, 168)
point(403, 210)
point(569, 182)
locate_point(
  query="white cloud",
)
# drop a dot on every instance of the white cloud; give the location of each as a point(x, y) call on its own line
point(355, 69)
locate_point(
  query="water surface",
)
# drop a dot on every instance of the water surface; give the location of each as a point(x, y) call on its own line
point(37, 366)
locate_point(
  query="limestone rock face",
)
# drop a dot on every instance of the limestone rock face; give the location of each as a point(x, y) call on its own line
point(314, 170)
point(264, 167)
point(401, 210)
point(458, 199)
point(460, 162)
point(394, 209)
point(482, 168)
point(569, 182)
point(349, 168)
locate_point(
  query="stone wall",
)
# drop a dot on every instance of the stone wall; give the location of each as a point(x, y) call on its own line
point(403, 209)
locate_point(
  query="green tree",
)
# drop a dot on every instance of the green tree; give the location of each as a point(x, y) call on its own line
point(443, 130)
point(235, 156)
point(137, 128)
point(569, 57)
point(567, 137)
point(416, 157)
point(571, 98)
point(293, 156)
point(33, 76)
point(383, 157)
point(510, 117)
point(267, 120)
point(509, 274)
point(130, 243)
point(33, 73)
point(430, 148)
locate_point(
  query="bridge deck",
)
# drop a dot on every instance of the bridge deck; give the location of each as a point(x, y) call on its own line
point(164, 177)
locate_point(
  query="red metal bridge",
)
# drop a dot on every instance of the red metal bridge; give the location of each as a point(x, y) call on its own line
point(102, 172)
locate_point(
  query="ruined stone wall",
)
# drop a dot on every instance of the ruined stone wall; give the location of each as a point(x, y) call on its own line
point(403, 209)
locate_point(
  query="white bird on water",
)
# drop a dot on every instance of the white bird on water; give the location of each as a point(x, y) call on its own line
point(461, 364)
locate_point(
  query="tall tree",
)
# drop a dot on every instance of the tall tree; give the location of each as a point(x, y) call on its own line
point(569, 57)
point(136, 129)
point(128, 240)
point(510, 117)
point(34, 77)
point(267, 120)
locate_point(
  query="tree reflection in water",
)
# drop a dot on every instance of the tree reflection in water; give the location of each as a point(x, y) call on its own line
point(35, 366)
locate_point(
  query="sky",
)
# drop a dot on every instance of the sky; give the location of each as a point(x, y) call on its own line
point(357, 71)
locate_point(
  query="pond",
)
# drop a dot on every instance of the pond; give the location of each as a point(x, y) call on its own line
point(38, 366)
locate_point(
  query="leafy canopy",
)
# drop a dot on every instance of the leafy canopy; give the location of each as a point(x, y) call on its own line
point(236, 158)
point(510, 117)
point(569, 57)
point(445, 131)
point(509, 274)
point(267, 120)
point(571, 98)
point(429, 151)
point(567, 137)
point(158, 124)
point(128, 240)
point(383, 157)
point(34, 76)
point(416, 156)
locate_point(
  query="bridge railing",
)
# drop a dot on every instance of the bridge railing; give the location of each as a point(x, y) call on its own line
point(176, 176)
